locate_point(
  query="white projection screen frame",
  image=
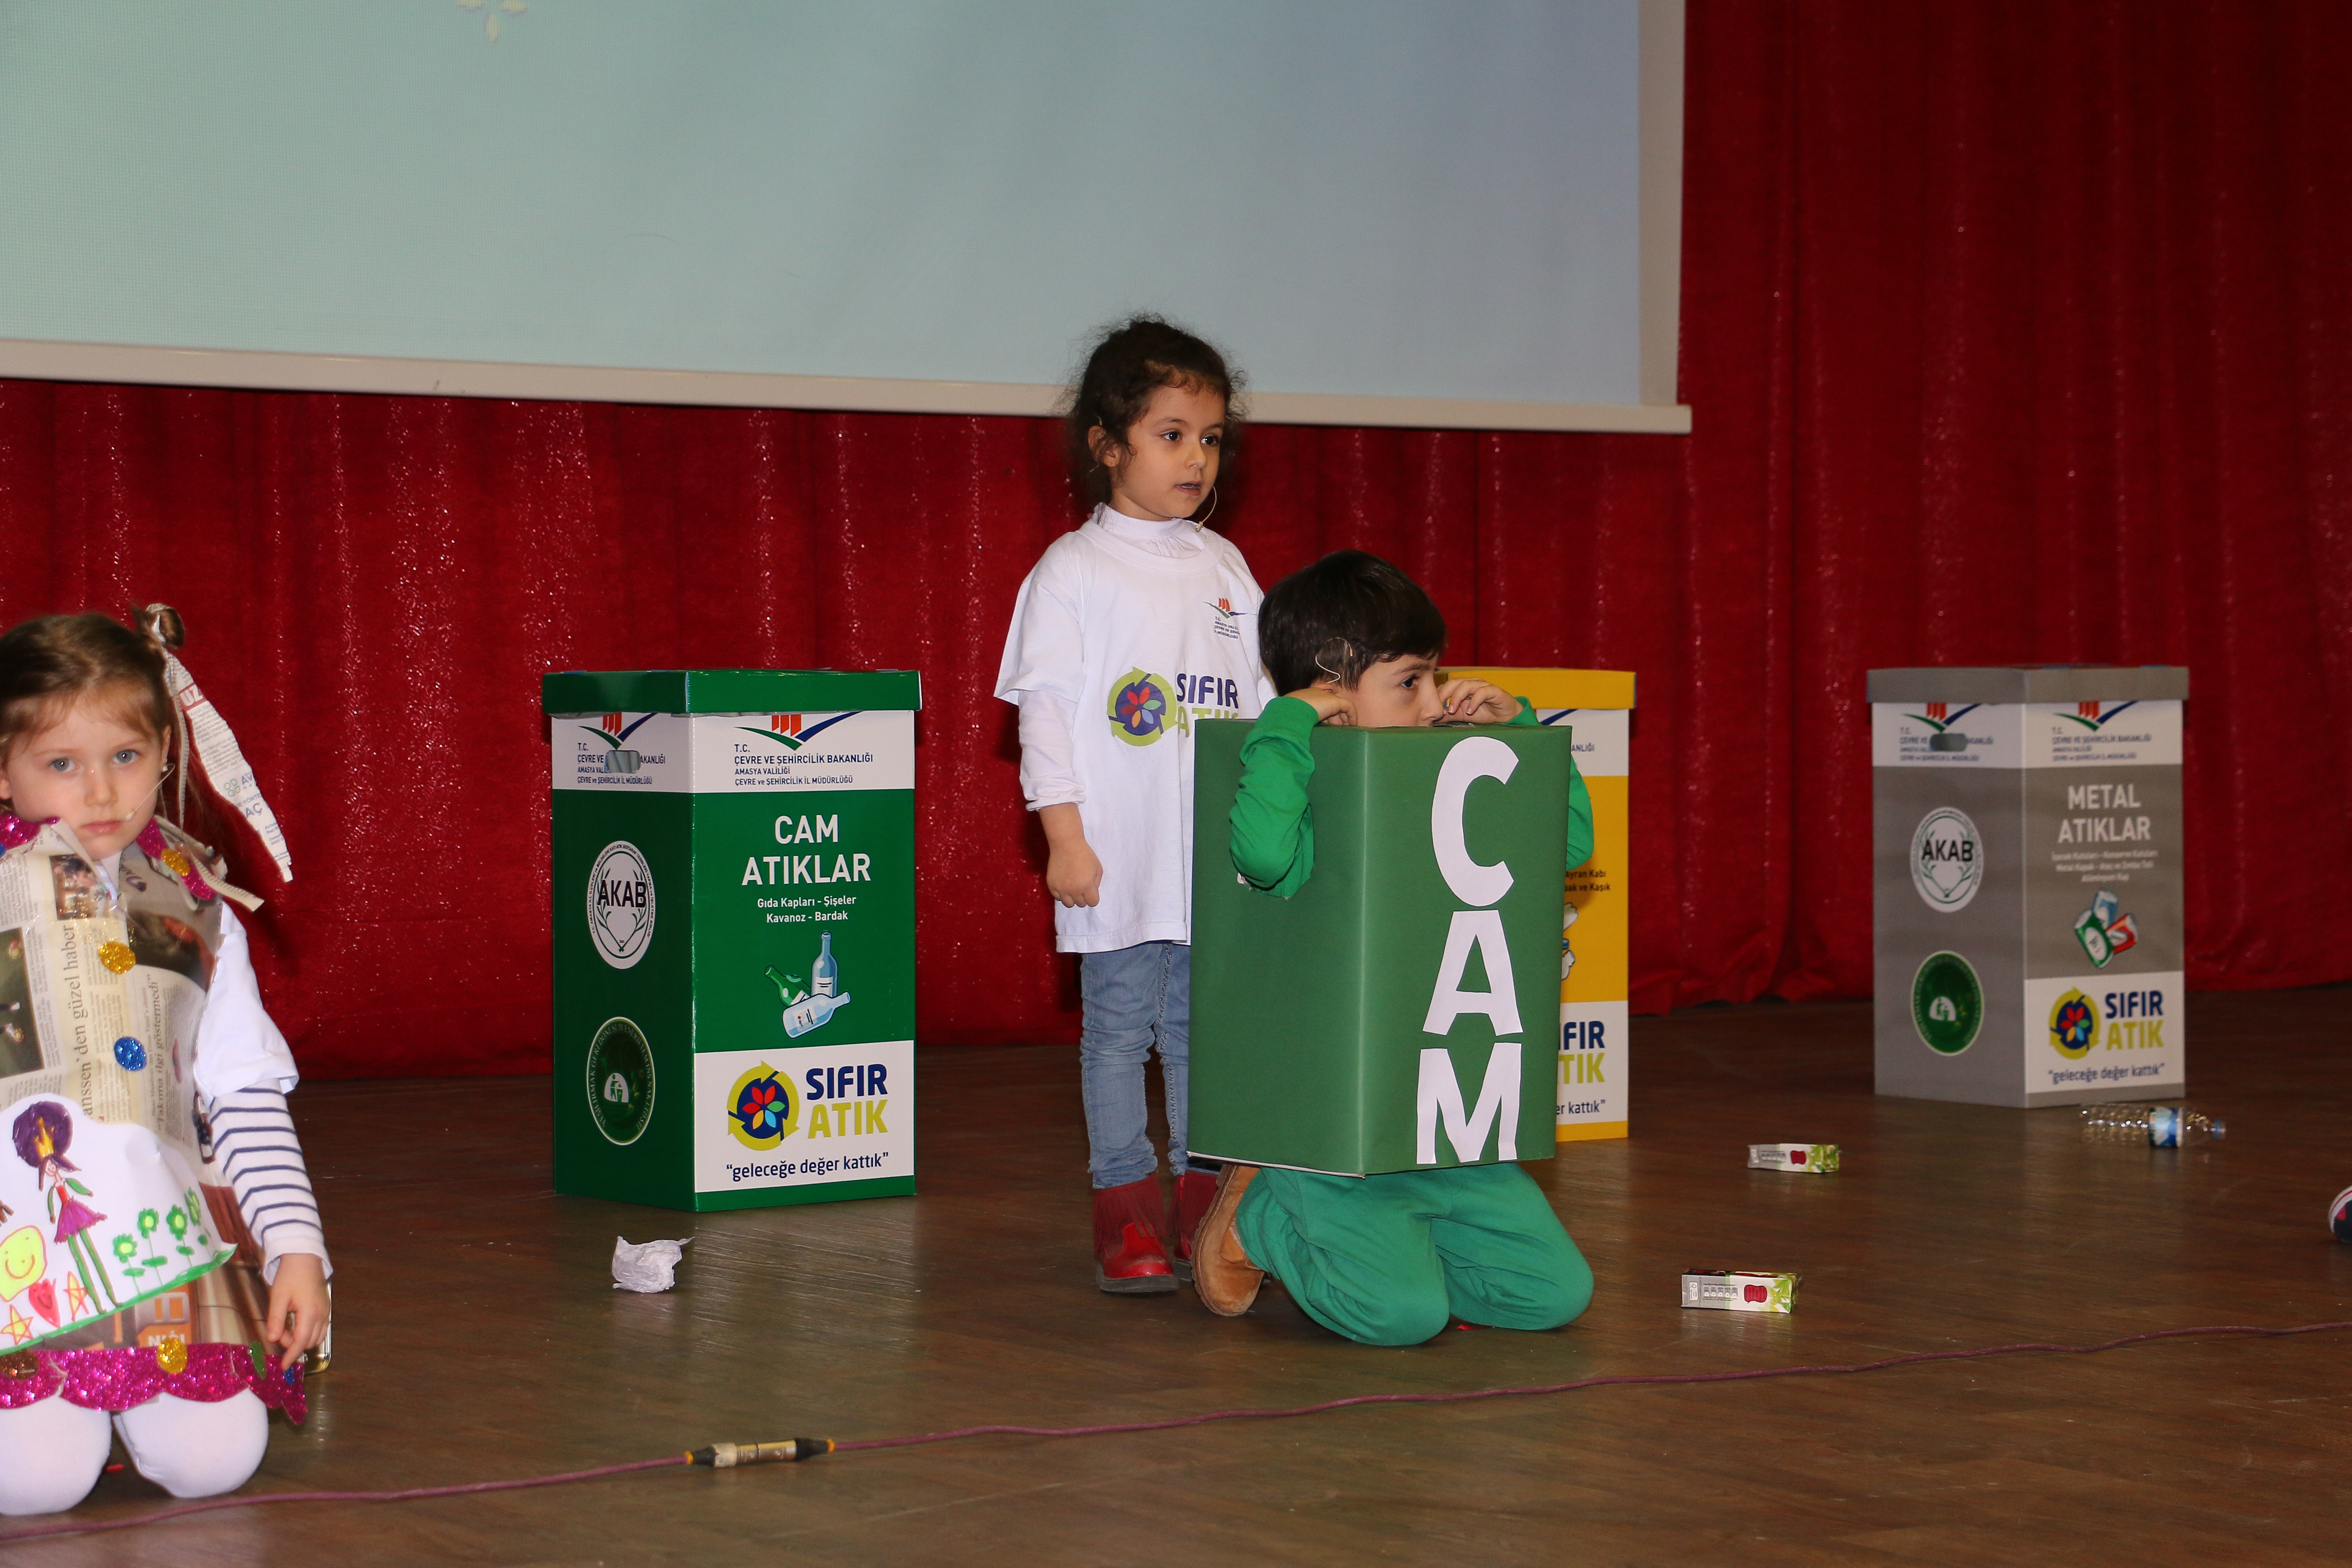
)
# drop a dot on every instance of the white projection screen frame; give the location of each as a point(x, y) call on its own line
point(1652, 410)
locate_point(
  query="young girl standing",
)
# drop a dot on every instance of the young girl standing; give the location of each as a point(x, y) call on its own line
point(1133, 626)
point(151, 1189)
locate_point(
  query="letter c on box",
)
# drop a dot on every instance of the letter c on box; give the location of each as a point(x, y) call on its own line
point(1473, 758)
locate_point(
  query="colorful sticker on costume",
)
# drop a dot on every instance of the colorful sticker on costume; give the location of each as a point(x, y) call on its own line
point(105, 1216)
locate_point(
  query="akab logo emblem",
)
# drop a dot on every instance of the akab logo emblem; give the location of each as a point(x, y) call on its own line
point(618, 759)
point(790, 728)
point(1138, 707)
point(763, 1111)
point(1228, 623)
point(621, 903)
point(1947, 859)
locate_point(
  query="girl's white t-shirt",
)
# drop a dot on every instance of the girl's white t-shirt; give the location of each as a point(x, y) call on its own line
point(1126, 633)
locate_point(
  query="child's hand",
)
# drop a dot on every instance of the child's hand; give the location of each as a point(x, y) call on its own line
point(1470, 700)
point(298, 1291)
point(1331, 707)
point(1074, 875)
point(1073, 870)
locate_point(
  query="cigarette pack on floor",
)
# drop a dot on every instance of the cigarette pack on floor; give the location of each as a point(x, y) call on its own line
point(1735, 1291)
point(1814, 1159)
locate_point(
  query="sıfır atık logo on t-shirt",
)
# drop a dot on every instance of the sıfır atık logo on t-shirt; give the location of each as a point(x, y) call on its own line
point(621, 904)
point(1140, 708)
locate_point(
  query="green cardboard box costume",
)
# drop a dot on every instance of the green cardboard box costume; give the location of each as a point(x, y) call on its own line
point(1375, 971)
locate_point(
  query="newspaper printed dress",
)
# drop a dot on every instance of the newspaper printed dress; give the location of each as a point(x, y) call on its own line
point(125, 1268)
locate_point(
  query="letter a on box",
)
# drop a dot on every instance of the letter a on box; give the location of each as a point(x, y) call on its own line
point(1482, 929)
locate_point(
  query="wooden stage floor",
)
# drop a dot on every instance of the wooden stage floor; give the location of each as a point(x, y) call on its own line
point(479, 1338)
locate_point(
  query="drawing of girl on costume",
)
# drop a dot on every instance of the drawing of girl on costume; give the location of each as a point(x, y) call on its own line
point(43, 1133)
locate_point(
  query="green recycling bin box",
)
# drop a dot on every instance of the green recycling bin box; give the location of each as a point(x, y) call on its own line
point(1396, 1013)
point(734, 929)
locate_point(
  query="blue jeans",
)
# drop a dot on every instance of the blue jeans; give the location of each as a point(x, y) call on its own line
point(1134, 997)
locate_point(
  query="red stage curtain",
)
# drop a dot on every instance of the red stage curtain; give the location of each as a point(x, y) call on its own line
point(2014, 332)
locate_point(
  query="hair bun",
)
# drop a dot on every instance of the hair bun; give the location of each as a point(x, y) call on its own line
point(162, 625)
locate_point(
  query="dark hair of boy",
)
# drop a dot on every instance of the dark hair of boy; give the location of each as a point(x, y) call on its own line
point(1129, 362)
point(1340, 616)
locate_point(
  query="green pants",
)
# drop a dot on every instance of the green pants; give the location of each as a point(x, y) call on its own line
point(1386, 1259)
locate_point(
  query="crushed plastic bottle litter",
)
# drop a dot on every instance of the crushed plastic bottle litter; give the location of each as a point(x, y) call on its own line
point(2159, 1126)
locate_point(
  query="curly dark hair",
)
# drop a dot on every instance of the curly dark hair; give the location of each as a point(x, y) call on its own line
point(1340, 616)
point(1131, 360)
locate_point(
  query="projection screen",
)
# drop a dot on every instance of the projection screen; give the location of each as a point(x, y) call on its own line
point(1390, 212)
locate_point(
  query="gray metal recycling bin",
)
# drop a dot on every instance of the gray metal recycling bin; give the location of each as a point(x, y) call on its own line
point(2027, 900)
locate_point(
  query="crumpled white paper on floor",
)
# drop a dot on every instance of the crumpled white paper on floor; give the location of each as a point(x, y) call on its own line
point(646, 1266)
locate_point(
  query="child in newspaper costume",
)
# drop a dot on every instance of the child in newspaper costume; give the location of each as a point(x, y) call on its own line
point(160, 1259)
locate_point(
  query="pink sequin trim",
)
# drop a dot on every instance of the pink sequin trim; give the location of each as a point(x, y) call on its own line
point(15, 832)
point(151, 839)
point(116, 1380)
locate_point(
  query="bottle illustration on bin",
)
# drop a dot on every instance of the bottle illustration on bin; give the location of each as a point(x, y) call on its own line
point(812, 1008)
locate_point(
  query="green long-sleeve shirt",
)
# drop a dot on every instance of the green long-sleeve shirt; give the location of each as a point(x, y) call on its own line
point(1274, 828)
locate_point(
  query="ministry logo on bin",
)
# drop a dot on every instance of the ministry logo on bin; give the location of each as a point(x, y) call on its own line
point(1940, 719)
point(621, 904)
point(615, 729)
point(1947, 859)
point(792, 730)
point(2095, 715)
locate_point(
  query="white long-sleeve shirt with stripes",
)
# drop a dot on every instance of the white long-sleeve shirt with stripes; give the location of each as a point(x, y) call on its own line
point(244, 1070)
point(254, 1142)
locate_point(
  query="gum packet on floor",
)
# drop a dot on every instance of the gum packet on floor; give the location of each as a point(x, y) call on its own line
point(1806, 1158)
point(1737, 1290)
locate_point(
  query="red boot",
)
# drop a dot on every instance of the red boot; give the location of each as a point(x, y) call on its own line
point(1195, 1191)
point(1129, 1259)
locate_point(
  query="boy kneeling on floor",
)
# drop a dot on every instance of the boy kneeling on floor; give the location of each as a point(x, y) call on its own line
point(1384, 1259)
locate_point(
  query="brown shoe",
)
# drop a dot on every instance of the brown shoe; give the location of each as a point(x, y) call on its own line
point(1223, 1274)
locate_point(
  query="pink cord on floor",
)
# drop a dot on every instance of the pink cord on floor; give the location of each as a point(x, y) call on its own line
point(1172, 1423)
point(1682, 1377)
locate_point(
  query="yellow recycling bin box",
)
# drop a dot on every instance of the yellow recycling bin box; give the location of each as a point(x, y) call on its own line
point(1595, 975)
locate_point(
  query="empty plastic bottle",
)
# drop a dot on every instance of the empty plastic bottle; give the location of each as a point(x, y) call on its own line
point(2162, 1126)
